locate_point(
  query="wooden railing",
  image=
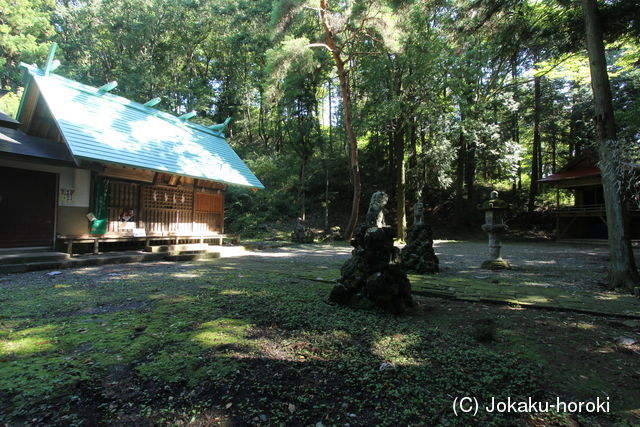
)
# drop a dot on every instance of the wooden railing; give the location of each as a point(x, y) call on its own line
point(590, 209)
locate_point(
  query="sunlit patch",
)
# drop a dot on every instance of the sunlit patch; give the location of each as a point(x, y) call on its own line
point(398, 349)
point(28, 341)
point(231, 251)
point(533, 299)
point(585, 325)
point(222, 331)
point(539, 284)
point(185, 275)
point(233, 292)
point(74, 294)
point(606, 297)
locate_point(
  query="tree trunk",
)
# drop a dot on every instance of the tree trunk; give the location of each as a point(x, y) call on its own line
point(554, 150)
point(516, 117)
point(470, 173)
point(301, 188)
point(535, 160)
point(391, 161)
point(414, 182)
point(398, 145)
point(460, 166)
point(574, 146)
point(326, 197)
point(261, 124)
point(623, 272)
point(326, 167)
point(346, 106)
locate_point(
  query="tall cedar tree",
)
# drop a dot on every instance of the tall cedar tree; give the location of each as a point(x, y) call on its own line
point(337, 56)
point(623, 272)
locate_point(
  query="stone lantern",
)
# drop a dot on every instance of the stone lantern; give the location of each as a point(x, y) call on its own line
point(494, 225)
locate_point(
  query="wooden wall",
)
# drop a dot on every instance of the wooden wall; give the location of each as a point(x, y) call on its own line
point(186, 207)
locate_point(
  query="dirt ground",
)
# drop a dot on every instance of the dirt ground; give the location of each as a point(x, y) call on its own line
point(258, 321)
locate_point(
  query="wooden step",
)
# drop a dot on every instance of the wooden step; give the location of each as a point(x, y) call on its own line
point(31, 257)
point(198, 256)
point(178, 248)
point(81, 261)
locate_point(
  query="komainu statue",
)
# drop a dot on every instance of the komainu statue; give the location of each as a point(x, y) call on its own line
point(373, 277)
point(302, 234)
point(418, 255)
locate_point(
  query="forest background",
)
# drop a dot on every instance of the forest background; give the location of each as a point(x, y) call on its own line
point(447, 99)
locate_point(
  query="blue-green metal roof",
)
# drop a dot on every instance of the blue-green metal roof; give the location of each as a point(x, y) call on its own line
point(108, 128)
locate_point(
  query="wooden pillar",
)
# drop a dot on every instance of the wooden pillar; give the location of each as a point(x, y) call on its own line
point(222, 212)
point(140, 220)
point(193, 207)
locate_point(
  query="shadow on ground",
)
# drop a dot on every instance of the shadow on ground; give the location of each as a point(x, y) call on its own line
point(250, 340)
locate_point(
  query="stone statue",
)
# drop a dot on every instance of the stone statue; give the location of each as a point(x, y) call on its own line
point(375, 217)
point(418, 213)
point(372, 277)
point(418, 255)
point(302, 234)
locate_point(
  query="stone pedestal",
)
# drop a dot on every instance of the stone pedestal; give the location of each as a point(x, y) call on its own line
point(302, 234)
point(373, 277)
point(494, 226)
point(418, 255)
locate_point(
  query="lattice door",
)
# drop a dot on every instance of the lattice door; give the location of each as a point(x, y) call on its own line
point(167, 209)
point(123, 196)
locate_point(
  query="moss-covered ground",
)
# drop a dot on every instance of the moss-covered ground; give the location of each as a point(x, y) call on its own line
point(490, 289)
point(251, 340)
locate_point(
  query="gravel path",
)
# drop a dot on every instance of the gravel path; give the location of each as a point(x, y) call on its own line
point(578, 267)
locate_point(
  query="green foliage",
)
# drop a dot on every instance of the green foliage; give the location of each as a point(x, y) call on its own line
point(252, 213)
point(25, 29)
point(277, 206)
point(283, 13)
point(10, 102)
point(291, 54)
point(450, 80)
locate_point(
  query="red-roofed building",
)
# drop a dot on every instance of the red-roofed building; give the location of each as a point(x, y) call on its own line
point(586, 218)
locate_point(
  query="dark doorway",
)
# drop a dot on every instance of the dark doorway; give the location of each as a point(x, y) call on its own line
point(27, 207)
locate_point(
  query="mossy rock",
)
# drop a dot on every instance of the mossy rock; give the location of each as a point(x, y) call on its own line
point(418, 255)
point(371, 276)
